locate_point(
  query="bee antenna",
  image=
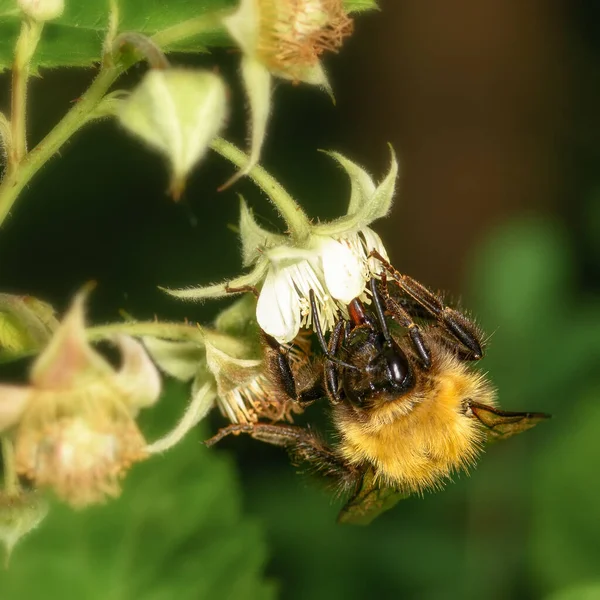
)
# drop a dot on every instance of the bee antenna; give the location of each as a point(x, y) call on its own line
point(379, 310)
point(321, 337)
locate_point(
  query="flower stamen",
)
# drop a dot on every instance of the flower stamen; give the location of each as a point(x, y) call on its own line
point(293, 34)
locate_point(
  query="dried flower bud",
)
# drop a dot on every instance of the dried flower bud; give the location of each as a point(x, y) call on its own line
point(178, 112)
point(284, 38)
point(75, 428)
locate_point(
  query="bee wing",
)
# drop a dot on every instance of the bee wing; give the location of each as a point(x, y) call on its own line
point(369, 501)
point(502, 424)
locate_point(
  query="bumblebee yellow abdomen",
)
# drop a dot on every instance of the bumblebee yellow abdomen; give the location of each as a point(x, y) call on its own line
point(416, 442)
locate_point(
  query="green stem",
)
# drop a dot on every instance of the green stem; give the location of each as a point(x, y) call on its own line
point(296, 219)
point(170, 331)
point(19, 176)
point(17, 179)
point(24, 49)
point(11, 479)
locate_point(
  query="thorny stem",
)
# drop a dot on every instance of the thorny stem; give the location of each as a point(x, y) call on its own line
point(296, 219)
point(19, 176)
point(11, 480)
point(24, 49)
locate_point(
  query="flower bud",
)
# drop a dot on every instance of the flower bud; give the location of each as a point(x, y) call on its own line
point(74, 427)
point(178, 112)
point(42, 10)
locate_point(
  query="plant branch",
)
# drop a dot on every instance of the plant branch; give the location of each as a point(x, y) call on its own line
point(24, 49)
point(18, 177)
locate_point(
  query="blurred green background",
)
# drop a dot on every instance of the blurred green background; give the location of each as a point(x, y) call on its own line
point(494, 108)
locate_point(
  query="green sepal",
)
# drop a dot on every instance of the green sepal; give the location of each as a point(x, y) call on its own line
point(361, 183)
point(223, 289)
point(254, 238)
point(370, 209)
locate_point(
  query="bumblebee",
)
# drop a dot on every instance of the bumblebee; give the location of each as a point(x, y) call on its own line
point(407, 408)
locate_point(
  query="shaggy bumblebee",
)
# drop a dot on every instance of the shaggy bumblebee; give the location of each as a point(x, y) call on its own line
point(408, 409)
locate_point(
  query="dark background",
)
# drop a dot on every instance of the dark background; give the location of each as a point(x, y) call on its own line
point(493, 107)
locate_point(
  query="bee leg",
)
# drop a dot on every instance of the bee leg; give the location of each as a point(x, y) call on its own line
point(319, 331)
point(401, 316)
point(241, 290)
point(281, 371)
point(330, 369)
point(453, 321)
point(303, 446)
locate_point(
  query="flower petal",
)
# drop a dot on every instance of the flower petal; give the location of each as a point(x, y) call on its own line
point(371, 241)
point(278, 308)
point(343, 270)
point(13, 401)
point(69, 360)
point(138, 378)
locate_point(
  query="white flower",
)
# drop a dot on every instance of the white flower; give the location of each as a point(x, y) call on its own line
point(228, 371)
point(283, 38)
point(332, 260)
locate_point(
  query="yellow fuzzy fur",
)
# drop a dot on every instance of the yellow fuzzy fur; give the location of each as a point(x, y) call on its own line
point(423, 437)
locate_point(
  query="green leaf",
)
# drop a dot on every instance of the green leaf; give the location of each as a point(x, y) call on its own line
point(176, 532)
point(75, 39)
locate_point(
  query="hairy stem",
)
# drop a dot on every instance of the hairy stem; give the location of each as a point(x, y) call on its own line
point(19, 176)
point(296, 219)
point(169, 331)
point(24, 49)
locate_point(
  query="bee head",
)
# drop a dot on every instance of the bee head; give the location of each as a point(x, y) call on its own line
point(383, 371)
